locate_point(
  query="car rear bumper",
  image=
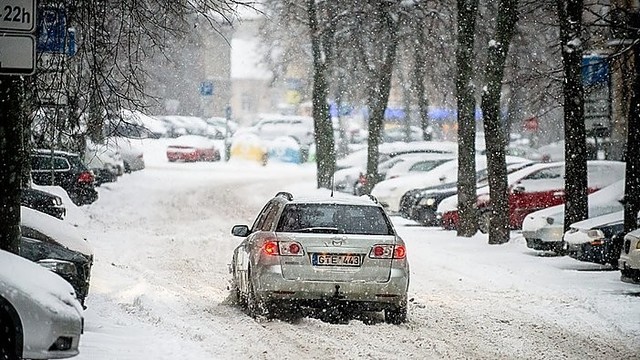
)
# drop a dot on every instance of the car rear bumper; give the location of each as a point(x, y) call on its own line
point(270, 285)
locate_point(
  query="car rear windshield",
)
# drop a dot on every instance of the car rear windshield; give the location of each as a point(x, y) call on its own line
point(334, 218)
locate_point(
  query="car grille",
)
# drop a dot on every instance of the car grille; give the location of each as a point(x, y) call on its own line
point(627, 246)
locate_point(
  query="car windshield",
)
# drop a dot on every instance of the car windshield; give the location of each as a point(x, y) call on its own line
point(334, 218)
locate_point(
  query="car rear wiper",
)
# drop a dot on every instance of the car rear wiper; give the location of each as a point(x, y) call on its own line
point(320, 230)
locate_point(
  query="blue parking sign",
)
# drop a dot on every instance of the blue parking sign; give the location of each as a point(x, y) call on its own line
point(206, 88)
point(51, 30)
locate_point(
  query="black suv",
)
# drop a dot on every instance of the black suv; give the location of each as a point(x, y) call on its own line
point(67, 171)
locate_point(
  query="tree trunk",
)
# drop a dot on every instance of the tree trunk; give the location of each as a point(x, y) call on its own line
point(467, 12)
point(379, 94)
point(496, 164)
point(11, 158)
point(323, 127)
point(632, 178)
point(576, 205)
point(419, 74)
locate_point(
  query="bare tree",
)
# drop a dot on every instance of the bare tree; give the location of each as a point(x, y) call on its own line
point(497, 168)
point(570, 17)
point(467, 13)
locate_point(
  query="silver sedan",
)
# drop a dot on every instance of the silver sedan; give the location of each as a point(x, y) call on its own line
point(321, 253)
point(40, 317)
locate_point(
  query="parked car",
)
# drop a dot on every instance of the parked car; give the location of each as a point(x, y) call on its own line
point(192, 148)
point(104, 160)
point(533, 188)
point(248, 146)
point(544, 229)
point(390, 192)
point(349, 177)
point(43, 201)
point(39, 315)
point(130, 150)
point(66, 170)
point(598, 239)
point(629, 262)
point(321, 253)
point(58, 246)
point(421, 205)
point(285, 149)
point(272, 126)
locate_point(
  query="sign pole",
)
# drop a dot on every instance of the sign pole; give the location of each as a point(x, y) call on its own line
point(17, 57)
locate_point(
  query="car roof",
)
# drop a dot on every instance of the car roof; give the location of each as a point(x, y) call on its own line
point(337, 200)
point(55, 152)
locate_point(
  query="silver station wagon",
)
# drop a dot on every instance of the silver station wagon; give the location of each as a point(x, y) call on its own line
point(331, 253)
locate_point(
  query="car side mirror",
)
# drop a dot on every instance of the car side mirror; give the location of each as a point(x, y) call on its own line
point(240, 230)
point(518, 189)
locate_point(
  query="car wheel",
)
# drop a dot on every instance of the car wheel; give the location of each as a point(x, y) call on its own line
point(483, 221)
point(254, 307)
point(396, 315)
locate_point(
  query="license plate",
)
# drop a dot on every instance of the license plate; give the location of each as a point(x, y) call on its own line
point(336, 260)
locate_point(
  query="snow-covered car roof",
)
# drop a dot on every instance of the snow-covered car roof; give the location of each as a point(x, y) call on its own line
point(54, 229)
point(192, 141)
point(601, 220)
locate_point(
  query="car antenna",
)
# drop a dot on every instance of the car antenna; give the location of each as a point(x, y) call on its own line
point(333, 183)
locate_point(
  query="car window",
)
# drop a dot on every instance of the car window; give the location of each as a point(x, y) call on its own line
point(549, 173)
point(46, 163)
point(344, 219)
point(270, 217)
point(426, 165)
point(257, 224)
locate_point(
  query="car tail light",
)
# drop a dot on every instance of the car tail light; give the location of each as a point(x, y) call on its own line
point(284, 248)
point(271, 248)
point(362, 179)
point(290, 248)
point(386, 251)
point(86, 177)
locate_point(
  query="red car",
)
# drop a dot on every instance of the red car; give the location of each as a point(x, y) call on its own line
point(533, 188)
point(192, 148)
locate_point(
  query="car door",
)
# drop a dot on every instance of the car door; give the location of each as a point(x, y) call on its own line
point(539, 190)
point(248, 248)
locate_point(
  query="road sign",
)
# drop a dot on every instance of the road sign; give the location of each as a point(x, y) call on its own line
point(52, 30)
point(17, 54)
point(18, 15)
point(206, 88)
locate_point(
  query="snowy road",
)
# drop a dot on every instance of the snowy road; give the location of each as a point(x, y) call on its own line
point(159, 286)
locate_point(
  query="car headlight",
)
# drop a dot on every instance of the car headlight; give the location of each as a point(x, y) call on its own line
point(595, 234)
point(550, 220)
point(427, 202)
point(60, 267)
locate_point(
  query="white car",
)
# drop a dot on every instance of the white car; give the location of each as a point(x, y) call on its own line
point(131, 152)
point(417, 163)
point(545, 228)
point(389, 192)
point(104, 160)
point(270, 127)
point(629, 262)
point(40, 317)
point(348, 180)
